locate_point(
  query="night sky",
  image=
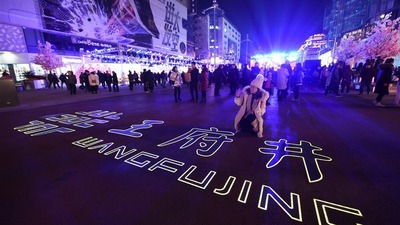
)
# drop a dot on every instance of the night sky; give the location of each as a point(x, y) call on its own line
point(273, 25)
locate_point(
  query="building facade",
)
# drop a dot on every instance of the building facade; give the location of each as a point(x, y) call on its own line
point(351, 17)
point(113, 33)
point(217, 39)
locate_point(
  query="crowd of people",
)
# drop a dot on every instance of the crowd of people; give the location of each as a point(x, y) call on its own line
point(251, 87)
point(337, 78)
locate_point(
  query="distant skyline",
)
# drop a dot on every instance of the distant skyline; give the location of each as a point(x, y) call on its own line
point(273, 25)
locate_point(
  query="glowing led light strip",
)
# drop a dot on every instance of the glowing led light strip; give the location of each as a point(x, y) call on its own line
point(227, 187)
point(321, 205)
point(203, 184)
point(246, 188)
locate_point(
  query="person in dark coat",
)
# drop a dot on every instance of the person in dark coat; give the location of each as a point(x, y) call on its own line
point(218, 78)
point(108, 80)
point(348, 74)
point(71, 82)
point(131, 80)
point(63, 79)
point(86, 80)
point(115, 82)
point(245, 78)
point(297, 81)
point(383, 80)
point(150, 80)
point(194, 83)
point(366, 74)
point(203, 78)
point(102, 78)
point(233, 78)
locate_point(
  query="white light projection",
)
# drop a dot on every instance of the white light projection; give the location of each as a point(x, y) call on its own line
point(292, 208)
point(216, 138)
point(322, 208)
point(39, 128)
point(305, 150)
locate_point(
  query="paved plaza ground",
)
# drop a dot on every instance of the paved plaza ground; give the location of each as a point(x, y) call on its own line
point(137, 158)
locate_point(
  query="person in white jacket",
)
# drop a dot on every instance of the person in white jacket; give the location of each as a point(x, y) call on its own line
point(94, 82)
point(252, 101)
point(281, 82)
point(176, 78)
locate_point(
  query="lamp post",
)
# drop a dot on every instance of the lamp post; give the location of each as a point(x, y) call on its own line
point(247, 40)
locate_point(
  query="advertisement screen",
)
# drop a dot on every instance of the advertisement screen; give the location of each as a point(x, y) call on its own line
point(155, 24)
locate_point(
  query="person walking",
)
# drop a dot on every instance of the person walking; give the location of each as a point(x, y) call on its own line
point(383, 80)
point(203, 83)
point(366, 74)
point(252, 101)
point(108, 80)
point(297, 81)
point(233, 78)
point(281, 81)
point(115, 82)
point(218, 78)
point(348, 74)
point(176, 81)
point(94, 82)
point(245, 77)
point(163, 76)
point(131, 80)
point(50, 80)
point(194, 83)
point(71, 82)
point(150, 80)
point(136, 78)
point(63, 79)
point(86, 80)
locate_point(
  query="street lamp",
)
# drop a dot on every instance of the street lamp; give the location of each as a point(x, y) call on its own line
point(247, 40)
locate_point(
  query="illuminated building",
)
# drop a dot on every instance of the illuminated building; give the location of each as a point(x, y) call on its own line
point(217, 40)
point(95, 34)
point(310, 50)
point(352, 17)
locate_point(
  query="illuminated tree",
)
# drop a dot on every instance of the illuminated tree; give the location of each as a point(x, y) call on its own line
point(348, 49)
point(383, 39)
point(47, 58)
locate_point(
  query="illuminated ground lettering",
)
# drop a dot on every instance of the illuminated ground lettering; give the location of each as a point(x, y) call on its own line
point(161, 164)
point(62, 130)
point(227, 187)
point(89, 113)
point(199, 184)
point(132, 160)
point(79, 119)
point(88, 123)
point(59, 117)
point(322, 213)
point(244, 193)
point(293, 210)
point(120, 152)
point(101, 113)
point(38, 128)
point(291, 207)
point(114, 116)
point(102, 147)
point(305, 150)
point(87, 142)
point(131, 132)
point(213, 135)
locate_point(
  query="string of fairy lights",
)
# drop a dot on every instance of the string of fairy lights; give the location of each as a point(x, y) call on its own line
point(132, 56)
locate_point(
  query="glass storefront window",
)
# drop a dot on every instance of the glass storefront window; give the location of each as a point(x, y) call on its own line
point(19, 70)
